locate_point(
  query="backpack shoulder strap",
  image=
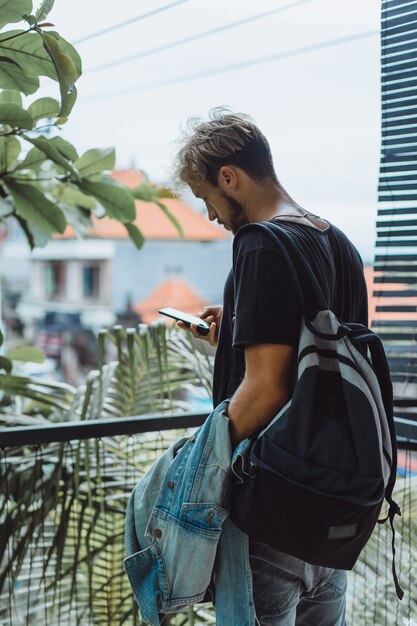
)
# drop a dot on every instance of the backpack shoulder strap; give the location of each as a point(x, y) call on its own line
point(298, 266)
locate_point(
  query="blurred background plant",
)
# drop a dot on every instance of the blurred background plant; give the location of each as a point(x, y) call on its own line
point(62, 506)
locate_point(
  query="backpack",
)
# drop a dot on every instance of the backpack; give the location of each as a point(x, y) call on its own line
point(321, 469)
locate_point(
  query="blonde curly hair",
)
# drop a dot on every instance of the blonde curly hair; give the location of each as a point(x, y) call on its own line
point(227, 138)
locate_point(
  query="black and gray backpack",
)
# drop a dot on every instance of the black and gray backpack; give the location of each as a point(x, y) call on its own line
point(324, 465)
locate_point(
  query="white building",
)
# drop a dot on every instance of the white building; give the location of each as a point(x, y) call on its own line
point(90, 281)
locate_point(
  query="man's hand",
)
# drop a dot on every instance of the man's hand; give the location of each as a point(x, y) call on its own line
point(212, 315)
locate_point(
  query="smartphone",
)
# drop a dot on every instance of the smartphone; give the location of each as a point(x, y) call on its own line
point(188, 319)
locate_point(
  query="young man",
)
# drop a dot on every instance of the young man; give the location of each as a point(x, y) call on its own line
point(227, 162)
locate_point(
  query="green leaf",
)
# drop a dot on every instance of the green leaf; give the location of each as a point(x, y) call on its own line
point(143, 192)
point(25, 227)
point(78, 217)
point(65, 148)
point(73, 196)
point(5, 364)
point(27, 353)
point(68, 49)
point(12, 77)
point(37, 237)
point(39, 54)
point(30, 19)
point(13, 10)
point(171, 218)
point(95, 161)
point(150, 193)
point(1, 338)
point(144, 175)
point(13, 115)
point(164, 192)
point(53, 151)
point(64, 65)
point(67, 102)
point(27, 50)
point(135, 235)
point(44, 9)
point(33, 159)
point(65, 68)
point(117, 200)
point(44, 108)
point(9, 152)
point(8, 96)
point(34, 207)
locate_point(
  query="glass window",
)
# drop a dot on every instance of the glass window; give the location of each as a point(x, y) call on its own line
point(91, 281)
point(54, 278)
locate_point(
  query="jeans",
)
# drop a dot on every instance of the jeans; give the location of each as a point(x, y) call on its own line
point(284, 599)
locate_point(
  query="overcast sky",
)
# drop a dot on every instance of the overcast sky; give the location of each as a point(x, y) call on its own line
point(319, 108)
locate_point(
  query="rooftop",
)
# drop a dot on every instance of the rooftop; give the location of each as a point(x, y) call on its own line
point(152, 221)
point(175, 293)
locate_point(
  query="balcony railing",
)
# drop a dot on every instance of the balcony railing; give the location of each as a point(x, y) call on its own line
point(62, 511)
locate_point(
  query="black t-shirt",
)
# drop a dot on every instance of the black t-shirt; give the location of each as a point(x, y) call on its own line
point(260, 301)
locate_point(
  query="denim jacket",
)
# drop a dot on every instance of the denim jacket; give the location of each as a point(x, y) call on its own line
point(178, 535)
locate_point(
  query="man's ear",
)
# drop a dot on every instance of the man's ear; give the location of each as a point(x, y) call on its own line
point(227, 178)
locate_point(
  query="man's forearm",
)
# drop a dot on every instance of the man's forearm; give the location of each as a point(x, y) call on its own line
point(252, 407)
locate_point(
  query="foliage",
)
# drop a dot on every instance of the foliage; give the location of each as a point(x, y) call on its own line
point(44, 183)
point(13, 388)
point(63, 505)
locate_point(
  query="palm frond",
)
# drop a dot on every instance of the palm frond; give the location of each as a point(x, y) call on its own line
point(63, 512)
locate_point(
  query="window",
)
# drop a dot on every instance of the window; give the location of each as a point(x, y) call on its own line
point(54, 279)
point(91, 281)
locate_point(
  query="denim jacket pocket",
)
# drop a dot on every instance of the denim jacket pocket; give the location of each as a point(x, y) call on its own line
point(204, 515)
point(188, 545)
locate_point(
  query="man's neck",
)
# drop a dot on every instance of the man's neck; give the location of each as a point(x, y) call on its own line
point(268, 202)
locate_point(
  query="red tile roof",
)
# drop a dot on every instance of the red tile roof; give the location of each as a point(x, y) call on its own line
point(176, 293)
point(151, 220)
point(130, 178)
point(180, 295)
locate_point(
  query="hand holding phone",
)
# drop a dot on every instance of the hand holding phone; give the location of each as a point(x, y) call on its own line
point(212, 313)
point(187, 319)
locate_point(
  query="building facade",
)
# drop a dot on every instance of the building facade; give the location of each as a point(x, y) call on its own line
point(91, 282)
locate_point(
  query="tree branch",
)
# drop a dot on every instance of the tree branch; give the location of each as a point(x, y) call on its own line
point(14, 36)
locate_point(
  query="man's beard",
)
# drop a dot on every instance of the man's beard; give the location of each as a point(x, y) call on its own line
point(237, 214)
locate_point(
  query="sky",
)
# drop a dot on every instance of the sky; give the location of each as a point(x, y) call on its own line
point(319, 108)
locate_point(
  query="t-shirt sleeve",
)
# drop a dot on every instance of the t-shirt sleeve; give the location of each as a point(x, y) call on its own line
point(267, 309)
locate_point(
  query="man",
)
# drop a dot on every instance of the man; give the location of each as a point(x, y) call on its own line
point(227, 162)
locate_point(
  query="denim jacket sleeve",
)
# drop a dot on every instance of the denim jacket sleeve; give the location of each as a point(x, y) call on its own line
point(174, 519)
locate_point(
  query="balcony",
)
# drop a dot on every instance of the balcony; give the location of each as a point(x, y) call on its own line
point(65, 486)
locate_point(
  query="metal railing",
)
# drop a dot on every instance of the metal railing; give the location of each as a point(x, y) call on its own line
point(62, 510)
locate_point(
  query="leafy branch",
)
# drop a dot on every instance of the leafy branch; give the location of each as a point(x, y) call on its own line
point(45, 182)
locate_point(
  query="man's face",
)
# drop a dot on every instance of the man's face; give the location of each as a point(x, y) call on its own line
point(221, 207)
